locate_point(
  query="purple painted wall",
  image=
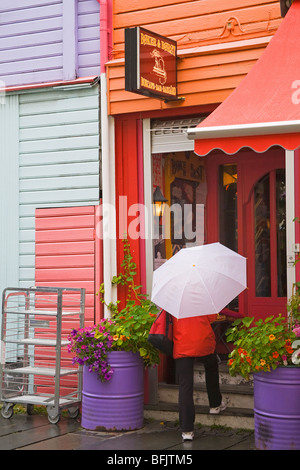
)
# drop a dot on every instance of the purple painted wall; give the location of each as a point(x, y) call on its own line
point(88, 37)
point(48, 40)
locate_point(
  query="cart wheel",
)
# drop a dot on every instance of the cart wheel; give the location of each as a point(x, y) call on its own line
point(7, 410)
point(29, 409)
point(73, 412)
point(53, 415)
point(54, 419)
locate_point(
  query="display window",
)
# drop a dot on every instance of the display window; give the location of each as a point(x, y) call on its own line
point(181, 179)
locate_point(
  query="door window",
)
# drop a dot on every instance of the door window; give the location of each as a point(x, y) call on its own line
point(262, 237)
point(228, 217)
point(270, 235)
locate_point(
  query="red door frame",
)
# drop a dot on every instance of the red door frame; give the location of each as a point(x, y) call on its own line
point(251, 167)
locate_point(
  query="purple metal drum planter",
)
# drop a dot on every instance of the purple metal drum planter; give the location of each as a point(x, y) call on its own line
point(277, 409)
point(117, 404)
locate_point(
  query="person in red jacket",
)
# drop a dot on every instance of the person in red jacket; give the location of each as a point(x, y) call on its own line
point(194, 337)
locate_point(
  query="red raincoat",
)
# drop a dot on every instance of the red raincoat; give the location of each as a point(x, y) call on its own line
point(194, 336)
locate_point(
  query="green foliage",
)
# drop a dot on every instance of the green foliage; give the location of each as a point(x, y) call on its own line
point(293, 306)
point(131, 325)
point(260, 346)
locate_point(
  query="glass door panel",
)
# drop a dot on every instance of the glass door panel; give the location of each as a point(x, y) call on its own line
point(270, 235)
point(281, 233)
point(228, 206)
point(262, 237)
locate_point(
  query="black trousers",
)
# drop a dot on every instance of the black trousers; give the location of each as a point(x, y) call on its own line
point(185, 377)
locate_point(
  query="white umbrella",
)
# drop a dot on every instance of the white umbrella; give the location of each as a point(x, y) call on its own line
point(200, 280)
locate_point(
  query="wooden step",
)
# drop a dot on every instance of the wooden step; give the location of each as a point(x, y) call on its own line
point(225, 377)
point(236, 392)
point(237, 418)
point(234, 396)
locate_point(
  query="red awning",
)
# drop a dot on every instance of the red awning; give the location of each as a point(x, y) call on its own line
point(264, 109)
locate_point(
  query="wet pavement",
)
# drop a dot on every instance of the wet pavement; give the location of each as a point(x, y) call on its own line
point(161, 440)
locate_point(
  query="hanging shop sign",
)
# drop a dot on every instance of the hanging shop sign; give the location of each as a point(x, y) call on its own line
point(150, 64)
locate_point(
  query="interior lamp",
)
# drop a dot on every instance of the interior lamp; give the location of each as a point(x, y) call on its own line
point(159, 202)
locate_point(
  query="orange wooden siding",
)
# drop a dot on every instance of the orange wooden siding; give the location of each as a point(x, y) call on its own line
point(208, 77)
point(212, 58)
point(191, 22)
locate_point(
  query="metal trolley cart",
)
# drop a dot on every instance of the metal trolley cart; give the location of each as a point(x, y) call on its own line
point(36, 367)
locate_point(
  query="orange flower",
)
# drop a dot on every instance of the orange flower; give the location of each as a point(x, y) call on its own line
point(242, 351)
point(288, 347)
point(115, 337)
point(275, 355)
point(231, 362)
point(272, 337)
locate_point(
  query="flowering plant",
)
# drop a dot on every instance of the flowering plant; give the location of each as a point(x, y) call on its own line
point(266, 344)
point(260, 346)
point(126, 330)
point(90, 346)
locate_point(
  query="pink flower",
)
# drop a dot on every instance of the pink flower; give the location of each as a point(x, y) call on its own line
point(297, 331)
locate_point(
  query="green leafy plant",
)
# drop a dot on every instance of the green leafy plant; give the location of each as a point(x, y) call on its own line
point(266, 344)
point(260, 346)
point(131, 324)
point(293, 307)
point(126, 330)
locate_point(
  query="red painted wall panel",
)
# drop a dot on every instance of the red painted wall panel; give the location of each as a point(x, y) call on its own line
point(127, 184)
point(68, 253)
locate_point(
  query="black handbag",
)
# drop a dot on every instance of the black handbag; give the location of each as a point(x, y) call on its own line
point(161, 333)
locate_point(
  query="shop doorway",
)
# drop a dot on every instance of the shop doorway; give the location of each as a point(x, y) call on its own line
point(242, 202)
point(246, 211)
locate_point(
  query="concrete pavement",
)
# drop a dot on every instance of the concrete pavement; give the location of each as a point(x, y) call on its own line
point(24, 432)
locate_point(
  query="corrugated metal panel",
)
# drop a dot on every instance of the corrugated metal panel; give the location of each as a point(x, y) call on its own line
point(66, 251)
point(59, 159)
point(9, 192)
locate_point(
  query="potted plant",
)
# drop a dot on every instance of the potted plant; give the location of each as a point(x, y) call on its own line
point(114, 354)
point(268, 349)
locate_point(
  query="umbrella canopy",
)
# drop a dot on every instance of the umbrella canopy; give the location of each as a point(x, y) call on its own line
point(200, 280)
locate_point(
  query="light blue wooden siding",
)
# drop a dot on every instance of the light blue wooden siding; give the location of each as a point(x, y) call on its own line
point(9, 192)
point(59, 159)
point(88, 38)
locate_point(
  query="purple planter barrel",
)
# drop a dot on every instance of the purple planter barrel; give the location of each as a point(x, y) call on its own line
point(118, 404)
point(277, 409)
